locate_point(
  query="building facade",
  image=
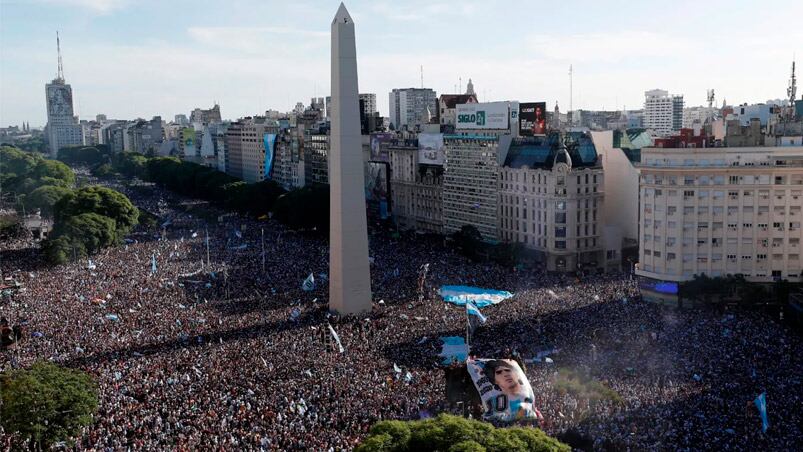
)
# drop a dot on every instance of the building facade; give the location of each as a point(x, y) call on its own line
point(551, 201)
point(416, 191)
point(369, 103)
point(663, 114)
point(63, 128)
point(721, 211)
point(412, 107)
point(316, 157)
point(470, 183)
point(204, 117)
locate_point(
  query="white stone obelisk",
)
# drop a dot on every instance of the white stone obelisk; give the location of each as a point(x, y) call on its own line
point(349, 269)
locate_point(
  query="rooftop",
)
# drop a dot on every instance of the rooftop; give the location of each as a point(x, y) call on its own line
point(539, 152)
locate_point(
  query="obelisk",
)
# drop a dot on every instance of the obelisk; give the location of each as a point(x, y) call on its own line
point(349, 269)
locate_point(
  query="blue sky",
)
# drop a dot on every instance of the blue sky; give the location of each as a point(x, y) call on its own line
point(139, 58)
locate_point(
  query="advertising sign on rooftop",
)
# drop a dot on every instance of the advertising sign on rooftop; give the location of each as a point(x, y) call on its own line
point(430, 148)
point(532, 119)
point(485, 116)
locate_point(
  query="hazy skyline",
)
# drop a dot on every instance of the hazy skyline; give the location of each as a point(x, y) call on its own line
point(131, 59)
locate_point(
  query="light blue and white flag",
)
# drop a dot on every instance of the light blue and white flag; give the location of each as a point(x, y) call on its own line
point(472, 309)
point(91, 265)
point(761, 404)
point(454, 349)
point(459, 295)
point(153, 263)
point(309, 283)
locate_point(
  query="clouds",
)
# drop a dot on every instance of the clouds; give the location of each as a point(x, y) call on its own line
point(95, 6)
point(148, 57)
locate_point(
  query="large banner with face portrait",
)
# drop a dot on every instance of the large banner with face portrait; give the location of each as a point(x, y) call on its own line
point(504, 389)
point(532, 119)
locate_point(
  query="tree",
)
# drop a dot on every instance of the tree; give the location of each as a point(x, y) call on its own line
point(304, 208)
point(100, 200)
point(130, 164)
point(45, 198)
point(52, 170)
point(46, 403)
point(455, 434)
point(469, 240)
point(93, 231)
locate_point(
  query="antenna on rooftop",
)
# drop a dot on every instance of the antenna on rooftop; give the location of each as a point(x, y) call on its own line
point(60, 75)
point(422, 76)
point(571, 93)
point(792, 90)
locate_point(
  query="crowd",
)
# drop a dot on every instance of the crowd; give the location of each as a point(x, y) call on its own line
point(215, 353)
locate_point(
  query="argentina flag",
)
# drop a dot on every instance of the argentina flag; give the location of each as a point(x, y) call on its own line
point(761, 404)
point(472, 309)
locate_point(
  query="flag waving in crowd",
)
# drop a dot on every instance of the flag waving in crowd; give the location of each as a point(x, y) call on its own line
point(472, 309)
point(153, 263)
point(761, 404)
point(309, 283)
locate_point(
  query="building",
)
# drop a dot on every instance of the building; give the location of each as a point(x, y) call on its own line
point(551, 201)
point(245, 147)
point(369, 103)
point(63, 128)
point(204, 117)
point(416, 189)
point(112, 134)
point(288, 163)
point(181, 120)
point(663, 114)
point(316, 157)
point(470, 182)
point(720, 211)
point(145, 136)
point(412, 107)
point(447, 105)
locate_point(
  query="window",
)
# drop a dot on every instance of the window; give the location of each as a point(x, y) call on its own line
point(688, 193)
point(560, 244)
point(560, 217)
point(560, 231)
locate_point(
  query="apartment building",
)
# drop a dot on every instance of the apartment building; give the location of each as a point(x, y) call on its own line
point(721, 211)
point(663, 114)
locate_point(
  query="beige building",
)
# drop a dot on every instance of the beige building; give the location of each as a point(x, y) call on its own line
point(470, 182)
point(551, 201)
point(416, 191)
point(721, 211)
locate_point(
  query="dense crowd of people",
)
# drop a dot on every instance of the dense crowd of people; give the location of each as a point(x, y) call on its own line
point(208, 350)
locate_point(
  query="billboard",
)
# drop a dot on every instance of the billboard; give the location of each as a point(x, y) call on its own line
point(532, 119)
point(430, 148)
point(504, 389)
point(379, 149)
point(269, 140)
point(484, 116)
point(377, 187)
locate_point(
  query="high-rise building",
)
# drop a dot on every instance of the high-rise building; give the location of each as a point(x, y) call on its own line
point(369, 103)
point(245, 147)
point(63, 128)
point(663, 114)
point(181, 120)
point(205, 117)
point(720, 211)
point(412, 107)
point(470, 182)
